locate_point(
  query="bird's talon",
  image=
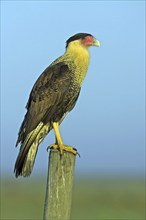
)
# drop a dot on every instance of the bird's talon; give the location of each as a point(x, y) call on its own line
point(71, 150)
point(48, 148)
point(76, 151)
point(78, 154)
point(62, 148)
point(53, 146)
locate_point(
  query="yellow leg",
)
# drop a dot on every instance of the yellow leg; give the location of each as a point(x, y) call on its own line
point(57, 133)
point(59, 143)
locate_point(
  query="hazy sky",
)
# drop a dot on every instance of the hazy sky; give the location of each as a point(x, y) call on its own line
point(107, 124)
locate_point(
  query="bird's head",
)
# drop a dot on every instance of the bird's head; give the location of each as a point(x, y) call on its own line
point(82, 39)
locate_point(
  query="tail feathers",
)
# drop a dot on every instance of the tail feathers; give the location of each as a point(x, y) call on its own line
point(29, 160)
point(26, 158)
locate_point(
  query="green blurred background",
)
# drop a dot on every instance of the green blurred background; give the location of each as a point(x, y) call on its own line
point(102, 198)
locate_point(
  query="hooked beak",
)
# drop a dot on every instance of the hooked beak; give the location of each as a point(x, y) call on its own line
point(96, 43)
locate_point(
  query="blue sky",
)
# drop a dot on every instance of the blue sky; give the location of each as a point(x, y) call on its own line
point(107, 124)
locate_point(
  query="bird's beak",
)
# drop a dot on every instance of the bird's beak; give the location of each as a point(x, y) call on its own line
point(96, 43)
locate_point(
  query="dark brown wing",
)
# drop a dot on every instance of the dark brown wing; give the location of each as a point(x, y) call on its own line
point(47, 93)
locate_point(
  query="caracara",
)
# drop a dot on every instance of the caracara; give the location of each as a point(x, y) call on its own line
point(53, 95)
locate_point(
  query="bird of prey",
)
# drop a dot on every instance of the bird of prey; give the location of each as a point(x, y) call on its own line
point(53, 96)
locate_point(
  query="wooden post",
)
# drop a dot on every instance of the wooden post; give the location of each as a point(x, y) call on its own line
point(59, 186)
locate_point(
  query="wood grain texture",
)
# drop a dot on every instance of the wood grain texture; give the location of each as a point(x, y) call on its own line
point(59, 186)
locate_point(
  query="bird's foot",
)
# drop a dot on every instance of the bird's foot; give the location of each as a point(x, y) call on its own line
point(63, 147)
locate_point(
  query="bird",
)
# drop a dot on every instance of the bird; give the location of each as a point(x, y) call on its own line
point(52, 97)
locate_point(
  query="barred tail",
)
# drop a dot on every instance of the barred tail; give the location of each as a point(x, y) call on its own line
point(27, 154)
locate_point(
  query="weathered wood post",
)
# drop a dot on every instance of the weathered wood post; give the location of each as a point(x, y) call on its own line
point(59, 186)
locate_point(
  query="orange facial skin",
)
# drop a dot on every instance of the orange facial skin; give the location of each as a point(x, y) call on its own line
point(88, 41)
